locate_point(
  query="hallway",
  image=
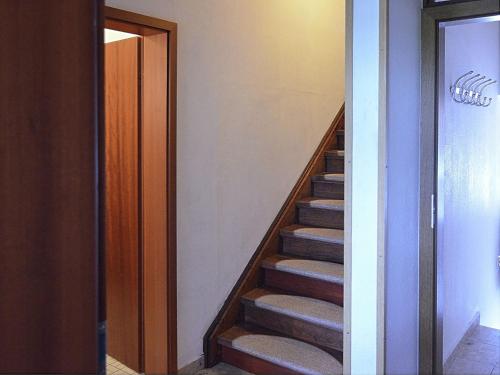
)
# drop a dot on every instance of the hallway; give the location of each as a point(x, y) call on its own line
point(478, 354)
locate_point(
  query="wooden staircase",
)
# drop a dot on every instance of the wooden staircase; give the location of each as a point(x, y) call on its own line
point(291, 320)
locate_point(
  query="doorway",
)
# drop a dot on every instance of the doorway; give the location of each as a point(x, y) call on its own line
point(468, 203)
point(459, 221)
point(138, 200)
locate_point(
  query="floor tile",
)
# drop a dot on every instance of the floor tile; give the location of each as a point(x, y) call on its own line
point(486, 335)
point(478, 351)
point(114, 367)
point(222, 369)
point(462, 366)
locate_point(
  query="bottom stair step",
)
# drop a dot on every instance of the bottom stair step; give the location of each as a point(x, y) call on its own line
point(267, 354)
point(307, 319)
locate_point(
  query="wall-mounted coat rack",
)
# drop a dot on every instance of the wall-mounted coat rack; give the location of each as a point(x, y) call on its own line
point(469, 88)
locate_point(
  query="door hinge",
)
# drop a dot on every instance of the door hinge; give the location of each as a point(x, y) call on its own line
point(433, 210)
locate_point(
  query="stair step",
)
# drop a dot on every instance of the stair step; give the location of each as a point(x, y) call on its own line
point(328, 213)
point(315, 269)
point(314, 243)
point(323, 203)
point(328, 185)
point(312, 320)
point(338, 154)
point(310, 278)
point(340, 136)
point(275, 354)
point(330, 177)
point(335, 161)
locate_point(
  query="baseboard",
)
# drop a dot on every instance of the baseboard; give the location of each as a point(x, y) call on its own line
point(472, 326)
point(193, 367)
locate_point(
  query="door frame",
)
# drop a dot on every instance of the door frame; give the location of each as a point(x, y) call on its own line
point(159, 310)
point(430, 302)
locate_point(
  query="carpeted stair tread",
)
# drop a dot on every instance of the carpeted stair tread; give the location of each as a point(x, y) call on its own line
point(334, 236)
point(324, 203)
point(311, 310)
point(321, 270)
point(329, 177)
point(282, 351)
point(335, 153)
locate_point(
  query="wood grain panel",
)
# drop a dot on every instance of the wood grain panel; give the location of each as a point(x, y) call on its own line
point(50, 109)
point(123, 250)
point(154, 175)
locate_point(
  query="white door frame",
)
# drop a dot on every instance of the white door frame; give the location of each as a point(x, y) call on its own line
point(365, 187)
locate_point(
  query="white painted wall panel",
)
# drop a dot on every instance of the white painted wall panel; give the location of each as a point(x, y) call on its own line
point(403, 113)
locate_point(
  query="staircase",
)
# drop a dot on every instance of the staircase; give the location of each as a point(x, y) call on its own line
point(293, 322)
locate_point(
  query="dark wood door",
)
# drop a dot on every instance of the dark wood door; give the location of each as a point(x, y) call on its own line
point(49, 130)
point(123, 250)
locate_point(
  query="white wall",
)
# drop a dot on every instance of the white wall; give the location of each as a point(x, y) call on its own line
point(259, 82)
point(403, 116)
point(114, 36)
point(470, 228)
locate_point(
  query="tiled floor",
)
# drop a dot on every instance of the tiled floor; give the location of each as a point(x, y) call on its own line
point(222, 369)
point(478, 354)
point(116, 368)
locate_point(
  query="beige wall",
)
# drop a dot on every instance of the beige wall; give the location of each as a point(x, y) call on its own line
point(259, 83)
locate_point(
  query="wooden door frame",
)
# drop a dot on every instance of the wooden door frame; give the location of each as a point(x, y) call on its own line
point(160, 311)
point(430, 303)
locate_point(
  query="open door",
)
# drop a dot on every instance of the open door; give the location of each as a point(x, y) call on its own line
point(122, 202)
point(50, 110)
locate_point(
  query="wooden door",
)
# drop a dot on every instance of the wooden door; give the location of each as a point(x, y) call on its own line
point(123, 250)
point(50, 69)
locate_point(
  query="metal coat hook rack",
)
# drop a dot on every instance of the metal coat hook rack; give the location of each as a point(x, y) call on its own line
point(469, 88)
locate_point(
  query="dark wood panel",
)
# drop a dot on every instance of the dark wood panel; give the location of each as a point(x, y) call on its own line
point(123, 250)
point(49, 112)
point(154, 172)
point(305, 286)
point(252, 364)
point(270, 244)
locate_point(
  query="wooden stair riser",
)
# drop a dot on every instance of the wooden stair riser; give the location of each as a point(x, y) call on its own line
point(313, 249)
point(327, 189)
point(252, 364)
point(304, 286)
point(334, 164)
point(340, 140)
point(321, 217)
point(293, 327)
